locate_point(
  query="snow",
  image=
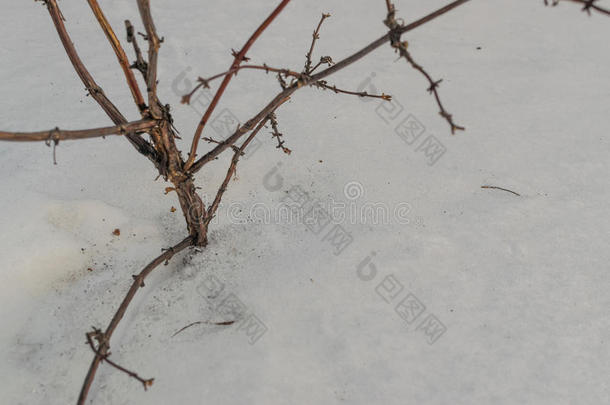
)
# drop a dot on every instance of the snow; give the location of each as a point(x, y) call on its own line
point(519, 283)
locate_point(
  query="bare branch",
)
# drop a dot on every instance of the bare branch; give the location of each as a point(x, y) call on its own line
point(57, 135)
point(97, 334)
point(205, 83)
point(232, 167)
point(138, 282)
point(315, 37)
point(249, 125)
point(94, 90)
point(401, 48)
point(322, 84)
point(433, 89)
point(275, 133)
point(588, 5)
point(239, 57)
point(140, 64)
point(153, 52)
point(120, 54)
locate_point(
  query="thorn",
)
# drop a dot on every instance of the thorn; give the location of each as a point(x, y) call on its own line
point(434, 86)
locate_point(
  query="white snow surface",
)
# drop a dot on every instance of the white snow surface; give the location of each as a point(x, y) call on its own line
point(519, 283)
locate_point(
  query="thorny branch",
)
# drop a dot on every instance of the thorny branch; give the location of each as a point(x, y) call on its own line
point(100, 337)
point(305, 81)
point(157, 122)
point(401, 48)
point(205, 82)
point(275, 133)
point(232, 168)
point(138, 282)
point(588, 5)
point(94, 90)
point(322, 84)
point(238, 58)
point(315, 36)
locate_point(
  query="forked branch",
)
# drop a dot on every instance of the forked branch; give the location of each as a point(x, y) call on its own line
point(100, 337)
point(238, 58)
point(205, 82)
point(94, 90)
point(305, 81)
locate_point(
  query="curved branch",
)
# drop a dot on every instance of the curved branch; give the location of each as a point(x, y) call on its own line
point(239, 57)
point(203, 82)
point(104, 338)
point(65, 135)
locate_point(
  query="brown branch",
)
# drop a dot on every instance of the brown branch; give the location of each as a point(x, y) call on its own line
point(322, 84)
point(223, 323)
point(239, 57)
point(94, 90)
point(401, 48)
point(275, 133)
point(588, 5)
point(503, 189)
point(57, 135)
point(249, 125)
point(323, 60)
point(315, 37)
point(432, 89)
point(97, 334)
point(153, 52)
point(205, 83)
point(138, 282)
point(120, 54)
point(232, 168)
point(140, 64)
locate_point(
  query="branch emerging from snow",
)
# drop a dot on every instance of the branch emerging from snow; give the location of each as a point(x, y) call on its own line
point(138, 282)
